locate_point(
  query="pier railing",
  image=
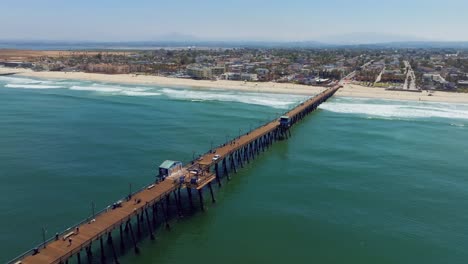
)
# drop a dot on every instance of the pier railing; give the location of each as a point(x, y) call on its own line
point(111, 227)
point(84, 221)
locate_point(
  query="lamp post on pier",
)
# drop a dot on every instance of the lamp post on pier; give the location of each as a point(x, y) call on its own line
point(44, 236)
point(93, 207)
point(129, 191)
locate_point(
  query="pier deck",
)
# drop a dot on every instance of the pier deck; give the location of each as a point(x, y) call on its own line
point(59, 250)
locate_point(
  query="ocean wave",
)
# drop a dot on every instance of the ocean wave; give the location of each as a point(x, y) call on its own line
point(96, 88)
point(116, 90)
point(457, 125)
point(399, 111)
point(273, 100)
point(32, 86)
point(138, 93)
point(19, 80)
point(280, 101)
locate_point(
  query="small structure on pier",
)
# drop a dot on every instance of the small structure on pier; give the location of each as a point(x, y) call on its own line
point(285, 121)
point(169, 167)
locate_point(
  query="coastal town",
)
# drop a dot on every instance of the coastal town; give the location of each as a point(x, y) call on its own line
point(444, 69)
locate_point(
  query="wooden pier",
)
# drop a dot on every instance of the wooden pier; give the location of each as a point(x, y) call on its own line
point(149, 207)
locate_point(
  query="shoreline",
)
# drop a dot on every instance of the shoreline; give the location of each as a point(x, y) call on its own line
point(348, 90)
point(357, 91)
point(132, 79)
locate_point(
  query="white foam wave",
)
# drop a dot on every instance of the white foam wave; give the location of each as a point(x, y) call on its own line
point(96, 88)
point(138, 93)
point(18, 80)
point(281, 101)
point(457, 125)
point(116, 90)
point(399, 111)
point(273, 100)
point(32, 86)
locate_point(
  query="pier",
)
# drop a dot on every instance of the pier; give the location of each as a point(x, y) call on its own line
point(121, 226)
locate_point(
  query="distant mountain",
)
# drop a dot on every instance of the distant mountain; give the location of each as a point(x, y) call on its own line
point(175, 37)
point(169, 41)
point(415, 45)
point(183, 41)
point(361, 38)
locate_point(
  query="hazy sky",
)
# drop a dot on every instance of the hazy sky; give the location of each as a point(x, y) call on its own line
point(118, 20)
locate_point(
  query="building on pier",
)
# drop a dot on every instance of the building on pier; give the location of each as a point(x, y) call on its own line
point(169, 167)
point(285, 121)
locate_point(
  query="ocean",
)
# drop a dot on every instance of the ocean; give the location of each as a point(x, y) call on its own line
point(359, 181)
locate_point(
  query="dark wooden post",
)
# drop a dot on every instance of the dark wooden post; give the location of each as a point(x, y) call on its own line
point(149, 224)
point(89, 253)
point(138, 225)
point(111, 243)
point(137, 250)
point(122, 247)
point(200, 194)
point(225, 170)
point(189, 192)
point(155, 214)
point(217, 174)
point(166, 220)
point(103, 255)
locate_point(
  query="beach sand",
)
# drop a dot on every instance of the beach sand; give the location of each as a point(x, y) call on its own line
point(267, 87)
point(349, 90)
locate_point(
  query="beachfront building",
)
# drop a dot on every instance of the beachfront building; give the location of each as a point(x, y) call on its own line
point(235, 76)
point(202, 72)
point(250, 77)
point(463, 84)
point(263, 74)
point(217, 71)
point(17, 64)
point(433, 77)
point(394, 76)
point(231, 76)
point(199, 72)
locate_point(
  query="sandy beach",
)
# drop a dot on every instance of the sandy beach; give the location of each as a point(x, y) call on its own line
point(267, 87)
point(349, 90)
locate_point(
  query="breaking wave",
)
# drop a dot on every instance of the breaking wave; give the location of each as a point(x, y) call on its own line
point(398, 110)
point(18, 80)
point(32, 86)
point(280, 101)
point(96, 88)
point(139, 93)
point(116, 90)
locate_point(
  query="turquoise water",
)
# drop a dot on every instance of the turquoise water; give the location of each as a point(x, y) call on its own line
point(360, 181)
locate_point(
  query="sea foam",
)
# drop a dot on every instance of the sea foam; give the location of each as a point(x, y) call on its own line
point(280, 101)
point(32, 86)
point(96, 88)
point(138, 93)
point(398, 110)
point(10, 79)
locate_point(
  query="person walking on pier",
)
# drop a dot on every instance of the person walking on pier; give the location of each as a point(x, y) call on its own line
point(69, 241)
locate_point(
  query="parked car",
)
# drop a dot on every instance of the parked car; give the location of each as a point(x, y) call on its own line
point(216, 157)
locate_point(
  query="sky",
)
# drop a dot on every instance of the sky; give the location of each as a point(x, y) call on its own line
point(246, 20)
